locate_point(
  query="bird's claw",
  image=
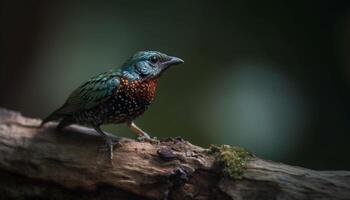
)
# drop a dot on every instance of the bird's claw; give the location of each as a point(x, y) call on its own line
point(105, 146)
point(108, 147)
point(143, 137)
point(147, 138)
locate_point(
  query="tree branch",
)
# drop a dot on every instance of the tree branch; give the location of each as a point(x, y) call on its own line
point(47, 164)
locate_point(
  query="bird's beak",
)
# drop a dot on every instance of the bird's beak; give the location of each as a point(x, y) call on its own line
point(173, 61)
point(169, 62)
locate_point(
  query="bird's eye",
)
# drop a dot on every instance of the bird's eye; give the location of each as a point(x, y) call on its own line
point(154, 59)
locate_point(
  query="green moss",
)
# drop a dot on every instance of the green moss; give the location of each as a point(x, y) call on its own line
point(233, 159)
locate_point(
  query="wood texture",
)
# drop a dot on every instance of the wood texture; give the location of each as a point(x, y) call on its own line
point(42, 163)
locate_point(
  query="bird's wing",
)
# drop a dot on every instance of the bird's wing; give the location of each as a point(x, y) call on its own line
point(93, 92)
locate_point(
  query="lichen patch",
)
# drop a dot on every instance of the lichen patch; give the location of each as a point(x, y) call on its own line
point(232, 159)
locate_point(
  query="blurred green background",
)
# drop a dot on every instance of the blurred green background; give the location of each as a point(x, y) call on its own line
point(272, 77)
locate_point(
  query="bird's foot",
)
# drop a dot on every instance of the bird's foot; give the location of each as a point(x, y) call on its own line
point(147, 138)
point(108, 147)
point(144, 137)
point(105, 147)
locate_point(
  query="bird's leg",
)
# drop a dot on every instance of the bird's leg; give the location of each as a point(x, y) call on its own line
point(142, 134)
point(108, 140)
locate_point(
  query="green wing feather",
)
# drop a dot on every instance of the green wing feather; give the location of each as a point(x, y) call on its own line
point(93, 92)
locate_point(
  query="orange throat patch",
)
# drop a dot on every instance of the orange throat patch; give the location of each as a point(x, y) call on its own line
point(145, 90)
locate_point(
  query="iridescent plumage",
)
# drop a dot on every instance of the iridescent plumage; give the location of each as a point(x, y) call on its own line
point(116, 96)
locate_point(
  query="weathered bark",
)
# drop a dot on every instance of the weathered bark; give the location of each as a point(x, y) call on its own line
point(42, 163)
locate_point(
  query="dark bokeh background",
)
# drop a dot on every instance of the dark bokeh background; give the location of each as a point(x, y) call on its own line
point(272, 77)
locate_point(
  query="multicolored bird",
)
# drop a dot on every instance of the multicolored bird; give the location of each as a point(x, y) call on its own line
point(117, 96)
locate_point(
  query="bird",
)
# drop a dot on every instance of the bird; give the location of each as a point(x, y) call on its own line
point(117, 96)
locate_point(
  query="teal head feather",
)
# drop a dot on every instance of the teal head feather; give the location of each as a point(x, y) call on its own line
point(148, 65)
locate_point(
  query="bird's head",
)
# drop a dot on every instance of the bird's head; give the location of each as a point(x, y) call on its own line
point(147, 65)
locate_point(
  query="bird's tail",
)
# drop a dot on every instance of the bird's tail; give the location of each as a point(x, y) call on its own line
point(52, 117)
